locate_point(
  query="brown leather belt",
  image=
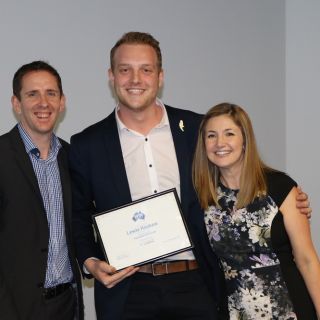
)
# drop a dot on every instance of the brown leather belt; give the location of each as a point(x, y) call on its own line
point(166, 267)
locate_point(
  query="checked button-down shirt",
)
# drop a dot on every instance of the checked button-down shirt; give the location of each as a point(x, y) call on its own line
point(48, 176)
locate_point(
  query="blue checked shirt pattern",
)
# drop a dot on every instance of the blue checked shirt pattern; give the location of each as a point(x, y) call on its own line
point(48, 176)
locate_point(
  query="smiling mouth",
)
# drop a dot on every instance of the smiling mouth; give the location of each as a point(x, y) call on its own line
point(222, 153)
point(42, 115)
point(135, 91)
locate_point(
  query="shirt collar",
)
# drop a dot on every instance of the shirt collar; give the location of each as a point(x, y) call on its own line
point(163, 122)
point(55, 144)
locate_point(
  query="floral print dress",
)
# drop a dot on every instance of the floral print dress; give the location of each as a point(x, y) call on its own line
point(256, 256)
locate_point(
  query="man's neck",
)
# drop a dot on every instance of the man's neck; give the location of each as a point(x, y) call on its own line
point(141, 121)
point(43, 143)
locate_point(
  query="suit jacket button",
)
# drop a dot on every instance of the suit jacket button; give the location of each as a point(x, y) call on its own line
point(40, 285)
point(44, 250)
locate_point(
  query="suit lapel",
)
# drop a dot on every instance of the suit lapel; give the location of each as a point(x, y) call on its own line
point(65, 183)
point(182, 153)
point(24, 162)
point(115, 159)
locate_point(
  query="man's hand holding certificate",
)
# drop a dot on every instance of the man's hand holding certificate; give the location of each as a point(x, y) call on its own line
point(107, 274)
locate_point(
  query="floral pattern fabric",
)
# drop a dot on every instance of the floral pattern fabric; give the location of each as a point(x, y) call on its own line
point(242, 240)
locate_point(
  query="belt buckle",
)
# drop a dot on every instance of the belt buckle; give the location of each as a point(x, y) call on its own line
point(154, 273)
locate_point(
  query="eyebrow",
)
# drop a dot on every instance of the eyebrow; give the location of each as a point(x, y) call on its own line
point(54, 90)
point(210, 130)
point(130, 64)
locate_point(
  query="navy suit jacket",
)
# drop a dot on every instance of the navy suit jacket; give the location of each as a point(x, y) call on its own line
point(24, 233)
point(100, 183)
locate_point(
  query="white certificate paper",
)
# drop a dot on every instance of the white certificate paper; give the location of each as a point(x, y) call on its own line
point(143, 231)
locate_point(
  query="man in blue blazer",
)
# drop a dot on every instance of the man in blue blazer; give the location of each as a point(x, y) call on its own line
point(141, 148)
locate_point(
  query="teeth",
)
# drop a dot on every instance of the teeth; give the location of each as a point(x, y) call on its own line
point(135, 91)
point(222, 152)
point(42, 115)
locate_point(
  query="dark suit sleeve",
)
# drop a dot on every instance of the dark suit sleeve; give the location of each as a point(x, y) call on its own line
point(7, 308)
point(83, 206)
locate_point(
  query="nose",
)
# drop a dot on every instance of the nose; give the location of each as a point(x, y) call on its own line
point(220, 140)
point(43, 100)
point(135, 76)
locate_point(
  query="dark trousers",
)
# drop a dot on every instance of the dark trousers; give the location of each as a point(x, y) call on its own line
point(61, 307)
point(177, 296)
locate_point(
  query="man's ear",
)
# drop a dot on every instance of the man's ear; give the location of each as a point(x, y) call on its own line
point(16, 105)
point(62, 103)
point(161, 77)
point(111, 76)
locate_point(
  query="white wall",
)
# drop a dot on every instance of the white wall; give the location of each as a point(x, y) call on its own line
point(213, 51)
point(302, 100)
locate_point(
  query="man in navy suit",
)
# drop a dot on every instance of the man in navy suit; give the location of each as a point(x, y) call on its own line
point(143, 147)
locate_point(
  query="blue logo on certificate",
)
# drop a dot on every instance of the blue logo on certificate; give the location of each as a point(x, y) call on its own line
point(139, 215)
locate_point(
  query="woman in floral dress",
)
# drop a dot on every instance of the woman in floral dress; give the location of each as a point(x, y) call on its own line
point(271, 267)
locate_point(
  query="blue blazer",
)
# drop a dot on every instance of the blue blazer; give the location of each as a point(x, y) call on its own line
point(100, 183)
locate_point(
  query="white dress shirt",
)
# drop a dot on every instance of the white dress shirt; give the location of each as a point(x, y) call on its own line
point(151, 162)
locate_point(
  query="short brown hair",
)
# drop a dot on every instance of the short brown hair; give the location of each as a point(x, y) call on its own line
point(206, 174)
point(30, 67)
point(135, 37)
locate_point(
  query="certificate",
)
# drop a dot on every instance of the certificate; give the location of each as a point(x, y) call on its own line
point(143, 231)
